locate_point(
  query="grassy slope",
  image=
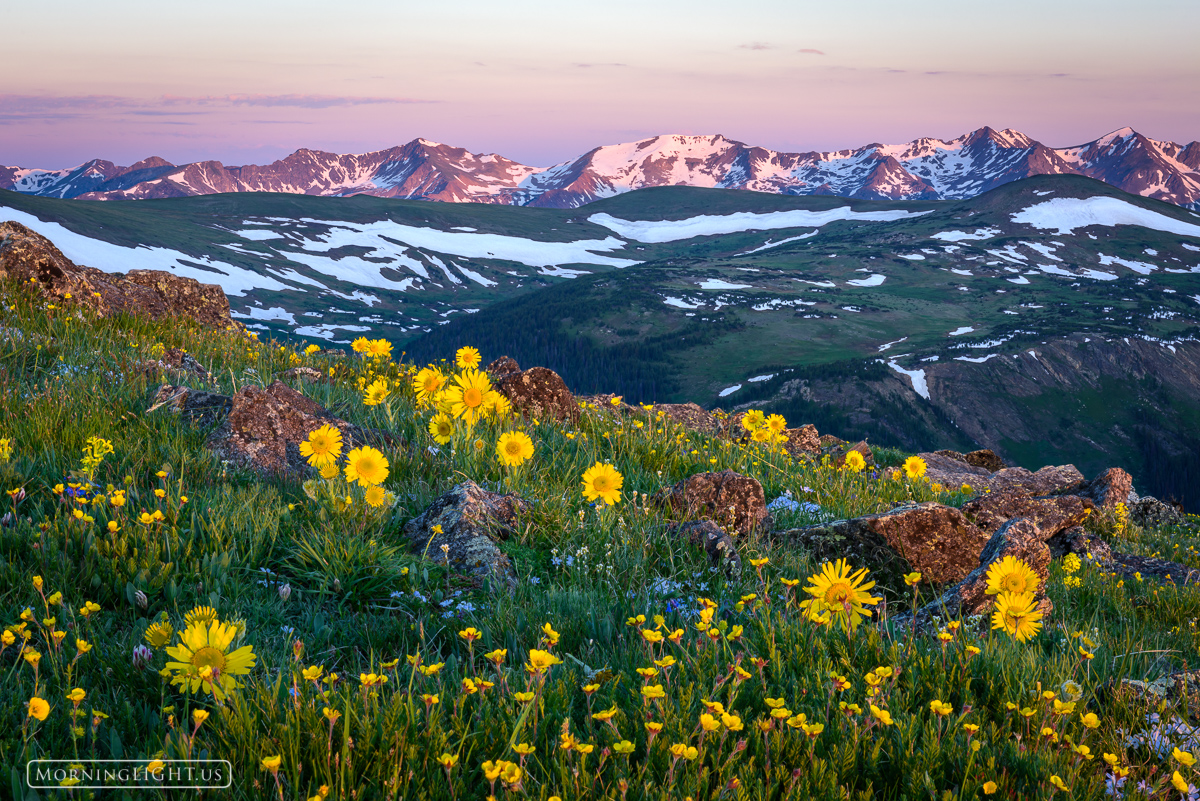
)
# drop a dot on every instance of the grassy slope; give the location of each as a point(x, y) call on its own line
point(359, 599)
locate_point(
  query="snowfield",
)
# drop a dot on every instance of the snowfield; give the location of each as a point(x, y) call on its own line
point(965, 236)
point(111, 258)
point(658, 231)
point(1065, 214)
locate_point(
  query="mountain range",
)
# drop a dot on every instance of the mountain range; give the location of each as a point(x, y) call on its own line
point(924, 169)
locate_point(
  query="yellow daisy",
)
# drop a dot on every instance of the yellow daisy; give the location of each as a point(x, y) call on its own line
point(604, 482)
point(442, 428)
point(466, 395)
point(376, 393)
point(914, 467)
point(323, 446)
point(1012, 575)
point(367, 466)
point(514, 448)
point(841, 592)
point(467, 358)
point(1017, 615)
point(203, 659)
point(427, 383)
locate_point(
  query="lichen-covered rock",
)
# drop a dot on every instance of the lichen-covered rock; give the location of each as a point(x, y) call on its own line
point(1019, 538)
point(689, 415)
point(728, 498)
point(199, 407)
point(1130, 566)
point(1109, 488)
point(803, 440)
point(29, 257)
point(264, 429)
point(934, 539)
point(986, 459)
point(304, 373)
point(1180, 688)
point(715, 541)
point(179, 365)
point(1149, 512)
point(1088, 547)
point(1051, 515)
point(539, 393)
point(954, 472)
point(504, 366)
point(472, 522)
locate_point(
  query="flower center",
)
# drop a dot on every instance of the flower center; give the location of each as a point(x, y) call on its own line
point(838, 594)
point(602, 484)
point(512, 447)
point(209, 657)
point(1014, 583)
point(472, 397)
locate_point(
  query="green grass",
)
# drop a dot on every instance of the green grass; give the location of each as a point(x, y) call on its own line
point(361, 598)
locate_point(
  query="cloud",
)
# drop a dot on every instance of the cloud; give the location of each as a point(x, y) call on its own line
point(19, 104)
point(756, 46)
point(289, 101)
point(811, 51)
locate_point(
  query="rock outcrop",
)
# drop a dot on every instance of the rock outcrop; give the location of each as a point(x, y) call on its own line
point(179, 365)
point(727, 498)
point(261, 429)
point(1019, 538)
point(539, 393)
point(29, 257)
point(952, 472)
point(1111, 487)
point(472, 522)
point(1149, 512)
point(1051, 515)
point(934, 539)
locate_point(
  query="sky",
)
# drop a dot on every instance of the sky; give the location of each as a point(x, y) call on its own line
point(249, 81)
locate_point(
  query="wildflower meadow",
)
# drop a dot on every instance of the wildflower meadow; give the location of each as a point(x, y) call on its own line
point(159, 604)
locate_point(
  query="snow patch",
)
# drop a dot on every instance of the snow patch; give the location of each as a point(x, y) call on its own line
point(679, 303)
point(725, 393)
point(964, 236)
point(717, 283)
point(916, 376)
point(912, 256)
point(974, 360)
point(875, 279)
point(259, 234)
point(966, 329)
point(769, 244)
point(710, 225)
point(1066, 214)
point(273, 313)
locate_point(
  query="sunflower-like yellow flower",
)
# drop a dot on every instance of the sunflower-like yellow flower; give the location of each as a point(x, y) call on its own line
point(776, 423)
point(375, 393)
point(159, 634)
point(379, 349)
point(1011, 575)
point(1017, 615)
point(753, 420)
point(200, 615)
point(841, 592)
point(602, 481)
point(466, 395)
point(514, 448)
point(322, 447)
point(914, 467)
point(855, 462)
point(441, 426)
point(427, 383)
point(376, 496)
point(467, 358)
point(203, 659)
point(367, 466)
point(361, 345)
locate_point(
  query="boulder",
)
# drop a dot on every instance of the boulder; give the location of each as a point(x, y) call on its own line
point(803, 440)
point(1109, 488)
point(727, 498)
point(935, 539)
point(716, 542)
point(689, 415)
point(1051, 515)
point(1149, 512)
point(304, 373)
point(179, 365)
point(199, 407)
point(983, 458)
point(29, 257)
point(472, 522)
point(1086, 546)
point(1129, 566)
point(540, 393)
point(954, 472)
point(1178, 688)
point(837, 453)
point(1020, 538)
point(504, 366)
point(264, 429)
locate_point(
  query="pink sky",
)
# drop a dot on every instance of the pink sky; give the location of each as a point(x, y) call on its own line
point(541, 82)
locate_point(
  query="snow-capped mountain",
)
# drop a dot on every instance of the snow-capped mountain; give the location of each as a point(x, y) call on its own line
point(922, 169)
